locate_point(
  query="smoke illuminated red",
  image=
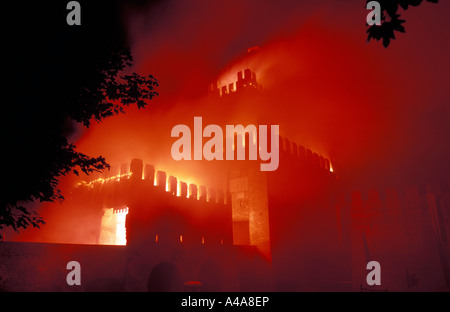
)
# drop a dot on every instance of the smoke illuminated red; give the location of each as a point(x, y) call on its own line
point(376, 116)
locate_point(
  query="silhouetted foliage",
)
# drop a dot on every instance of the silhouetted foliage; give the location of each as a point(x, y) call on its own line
point(390, 22)
point(60, 75)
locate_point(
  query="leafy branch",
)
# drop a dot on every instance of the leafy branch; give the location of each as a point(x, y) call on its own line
point(390, 20)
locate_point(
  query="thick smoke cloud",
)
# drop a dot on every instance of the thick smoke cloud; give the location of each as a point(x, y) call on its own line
point(380, 114)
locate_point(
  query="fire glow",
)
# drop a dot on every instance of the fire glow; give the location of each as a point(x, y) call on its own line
point(113, 230)
point(103, 180)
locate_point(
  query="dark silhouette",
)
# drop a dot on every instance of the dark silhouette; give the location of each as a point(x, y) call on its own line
point(165, 277)
point(61, 75)
point(390, 19)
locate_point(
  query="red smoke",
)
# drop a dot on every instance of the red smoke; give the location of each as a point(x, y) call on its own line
point(380, 114)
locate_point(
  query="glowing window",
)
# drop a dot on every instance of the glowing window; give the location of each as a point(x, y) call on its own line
point(121, 231)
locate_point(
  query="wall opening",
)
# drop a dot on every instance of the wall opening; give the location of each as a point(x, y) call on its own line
point(241, 232)
point(165, 277)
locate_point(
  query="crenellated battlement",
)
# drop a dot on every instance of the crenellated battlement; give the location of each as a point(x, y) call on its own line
point(296, 152)
point(246, 80)
point(159, 180)
point(121, 211)
point(396, 200)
